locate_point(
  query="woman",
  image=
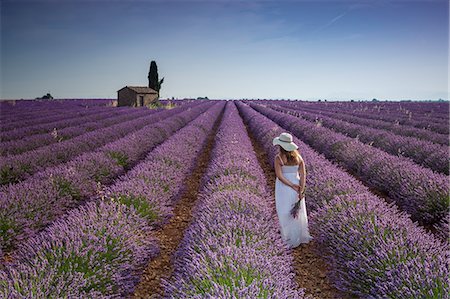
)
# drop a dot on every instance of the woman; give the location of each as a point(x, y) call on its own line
point(290, 183)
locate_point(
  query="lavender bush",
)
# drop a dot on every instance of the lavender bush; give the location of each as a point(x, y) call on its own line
point(374, 250)
point(27, 207)
point(233, 248)
point(92, 252)
point(443, 229)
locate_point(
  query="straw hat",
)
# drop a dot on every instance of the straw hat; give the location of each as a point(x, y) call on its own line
point(285, 140)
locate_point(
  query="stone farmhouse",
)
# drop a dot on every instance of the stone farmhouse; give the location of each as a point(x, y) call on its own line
point(136, 96)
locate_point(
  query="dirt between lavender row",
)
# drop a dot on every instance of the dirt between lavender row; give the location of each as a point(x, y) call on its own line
point(169, 237)
point(311, 271)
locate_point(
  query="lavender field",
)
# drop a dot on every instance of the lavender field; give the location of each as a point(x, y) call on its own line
point(98, 201)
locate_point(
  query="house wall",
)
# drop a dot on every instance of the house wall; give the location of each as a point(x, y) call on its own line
point(149, 98)
point(126, 97)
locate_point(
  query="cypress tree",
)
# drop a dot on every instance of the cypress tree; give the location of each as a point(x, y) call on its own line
point(153, 80)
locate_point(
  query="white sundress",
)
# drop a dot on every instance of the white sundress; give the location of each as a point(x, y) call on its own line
point(293, 230)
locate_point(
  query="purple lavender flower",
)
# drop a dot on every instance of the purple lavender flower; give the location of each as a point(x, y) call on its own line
point(94, 250)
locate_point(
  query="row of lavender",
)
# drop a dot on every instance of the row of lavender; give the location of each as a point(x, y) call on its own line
point(437, 125)
point(419, 111)
point(47, 116)
point(16, 168)
point(373, 123)
point(24, 206)
point(153, 186)
point(374, 250)
point(18, 109)
point(417, 190)
point(44, 114)
point(58, 134)
point(32, 103)
point(100, 249)
point(51, 113)
point(59, 121)
point(232, 249)
point(427, 111)
point(427, 154)
point(424, 111)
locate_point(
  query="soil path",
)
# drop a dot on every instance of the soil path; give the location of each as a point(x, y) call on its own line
point(170, 235)
point(310, 269)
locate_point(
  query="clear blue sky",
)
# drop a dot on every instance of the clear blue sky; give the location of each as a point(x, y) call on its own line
point(227, 49)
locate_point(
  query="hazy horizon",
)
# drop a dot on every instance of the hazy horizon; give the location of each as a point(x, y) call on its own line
point(305, 50)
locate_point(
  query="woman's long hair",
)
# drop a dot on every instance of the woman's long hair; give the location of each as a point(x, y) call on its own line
point(292, 157)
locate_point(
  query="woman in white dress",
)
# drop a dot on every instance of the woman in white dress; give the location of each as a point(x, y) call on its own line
point(290, 183)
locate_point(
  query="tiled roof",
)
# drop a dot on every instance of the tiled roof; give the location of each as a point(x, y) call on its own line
point(141, 89)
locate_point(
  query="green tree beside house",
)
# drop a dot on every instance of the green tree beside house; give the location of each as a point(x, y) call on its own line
point(153, 80)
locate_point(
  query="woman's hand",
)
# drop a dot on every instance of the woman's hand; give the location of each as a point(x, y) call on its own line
point(295, 187)
point(302, 191)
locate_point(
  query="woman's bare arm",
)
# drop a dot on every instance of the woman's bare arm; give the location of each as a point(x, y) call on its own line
point(302, 173)
point(280, 176)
